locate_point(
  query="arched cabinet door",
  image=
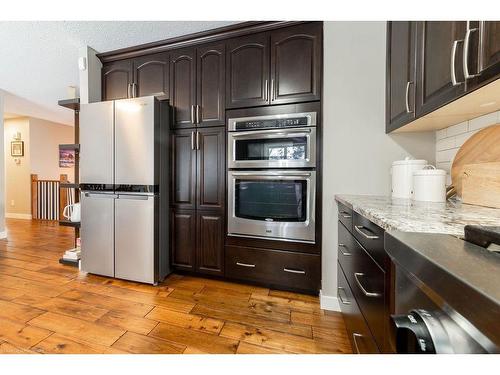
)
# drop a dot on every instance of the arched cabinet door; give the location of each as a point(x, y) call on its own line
point(117, 80)
point(247, 71)
point(210, 88)
point(183, 87)
point(151, 75)
point(296, 63)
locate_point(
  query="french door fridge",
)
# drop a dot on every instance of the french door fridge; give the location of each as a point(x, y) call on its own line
point(123, 174)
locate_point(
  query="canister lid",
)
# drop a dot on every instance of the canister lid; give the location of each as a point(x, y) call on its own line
point(408, 161)
point(430, 172)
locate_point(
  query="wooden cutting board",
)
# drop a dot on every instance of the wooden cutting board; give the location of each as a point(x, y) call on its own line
point(482, 147)
point(481, 184)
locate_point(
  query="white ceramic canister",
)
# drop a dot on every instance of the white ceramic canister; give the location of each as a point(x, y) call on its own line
point(402, 176)
point(429, 185)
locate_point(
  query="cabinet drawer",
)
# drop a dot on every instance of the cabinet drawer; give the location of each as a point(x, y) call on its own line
point(371, 236)
point(345, 215)
point(291, 270)
point(359, 334)
point(367, 281)
point(346, 244)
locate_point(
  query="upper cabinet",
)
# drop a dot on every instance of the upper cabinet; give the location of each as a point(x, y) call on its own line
point(439, 68)
point(117, 80)
point(432, 64)
point(296, 64)
point(401, 73)
point(142, 76)
point(247, 74)
point(277, 67)
point(197, 86)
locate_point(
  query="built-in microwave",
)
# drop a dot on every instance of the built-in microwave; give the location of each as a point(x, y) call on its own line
point(272, 204)
point(272, 141)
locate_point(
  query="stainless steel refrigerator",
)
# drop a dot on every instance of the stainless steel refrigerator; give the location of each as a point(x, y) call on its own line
point(124, 189)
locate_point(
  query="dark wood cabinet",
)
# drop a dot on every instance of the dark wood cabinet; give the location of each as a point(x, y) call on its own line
point(183, 239)
point(401, 73)
point(211, 176)
point(151, 75)
point(439, 68)
point(296, 64)
point(183, 87)
point(210, 87)
point(183, 169)
point(198, 198)
point(483, 52)
point(247, 71)
point(210, 242)
point(117, 78)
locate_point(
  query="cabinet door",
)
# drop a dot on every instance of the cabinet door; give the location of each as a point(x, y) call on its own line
point(183, 246)
point(210, 89)
point(210, 143)
point(151, 75)
point(401, 73)
point(436, 65)
point(183, 87)
point(210, 247)
point(247, 71)
point(117, 79)
point(486, 62)
point(183, 170)
point(296, 63)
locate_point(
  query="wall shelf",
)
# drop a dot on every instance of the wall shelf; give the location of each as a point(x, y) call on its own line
point(67, 223)
point(73, 104)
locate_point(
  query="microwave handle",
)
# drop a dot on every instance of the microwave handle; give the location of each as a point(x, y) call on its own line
point(293, 133)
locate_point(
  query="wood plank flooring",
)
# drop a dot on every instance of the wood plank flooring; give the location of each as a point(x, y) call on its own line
point(46, 307)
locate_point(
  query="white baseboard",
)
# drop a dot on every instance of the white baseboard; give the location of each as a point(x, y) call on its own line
point(3, 235)
point(18, 216)
point(330, 303)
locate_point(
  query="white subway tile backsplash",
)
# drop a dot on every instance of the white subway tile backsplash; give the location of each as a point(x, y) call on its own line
point(446, 155)
point(445, 144)
point(461, 138)
point(444, 165)
point(440, 134)
point(456, 129)
point(483, 121)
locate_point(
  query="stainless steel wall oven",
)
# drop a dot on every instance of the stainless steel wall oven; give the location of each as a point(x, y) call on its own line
point(272, 176)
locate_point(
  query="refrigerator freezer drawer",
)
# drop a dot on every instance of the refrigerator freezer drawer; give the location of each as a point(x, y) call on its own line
point(96, 143)
point(97, 233)
point(135, 238)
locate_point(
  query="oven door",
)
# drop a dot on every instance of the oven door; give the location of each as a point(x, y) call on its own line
point(275, 148)
point(272, 204)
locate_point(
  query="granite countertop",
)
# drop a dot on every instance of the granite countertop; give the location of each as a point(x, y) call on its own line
point(424, 217)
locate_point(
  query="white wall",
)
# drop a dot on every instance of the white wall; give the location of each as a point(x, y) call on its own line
point(357, 154)
point(450, 139)
point(2, 172)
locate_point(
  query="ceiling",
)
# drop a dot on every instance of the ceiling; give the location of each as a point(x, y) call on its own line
point(39, 59)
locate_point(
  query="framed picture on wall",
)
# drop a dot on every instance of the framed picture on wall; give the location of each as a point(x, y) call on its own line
point(66, 158)
point(17, 148)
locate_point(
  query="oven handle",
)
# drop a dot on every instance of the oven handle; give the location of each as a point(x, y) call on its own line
point(271, 174)
point(273, 132)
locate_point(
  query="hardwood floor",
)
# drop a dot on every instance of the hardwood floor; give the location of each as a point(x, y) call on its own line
point(46, 307)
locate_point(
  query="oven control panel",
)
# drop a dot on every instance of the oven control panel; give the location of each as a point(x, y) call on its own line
point(272, 123)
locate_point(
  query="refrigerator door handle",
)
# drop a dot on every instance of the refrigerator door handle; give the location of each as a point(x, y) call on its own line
point(100, 195)
point(134, 197)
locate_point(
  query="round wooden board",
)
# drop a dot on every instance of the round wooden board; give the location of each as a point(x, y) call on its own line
point(482, 147)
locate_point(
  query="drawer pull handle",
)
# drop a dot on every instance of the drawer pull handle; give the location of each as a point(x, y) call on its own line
point(357, 275)
point(294, 271)
point(360, 229)
point(345, 215)
point(245, 265)
point(344, 253)
point(354, 336)
point(344, 301)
